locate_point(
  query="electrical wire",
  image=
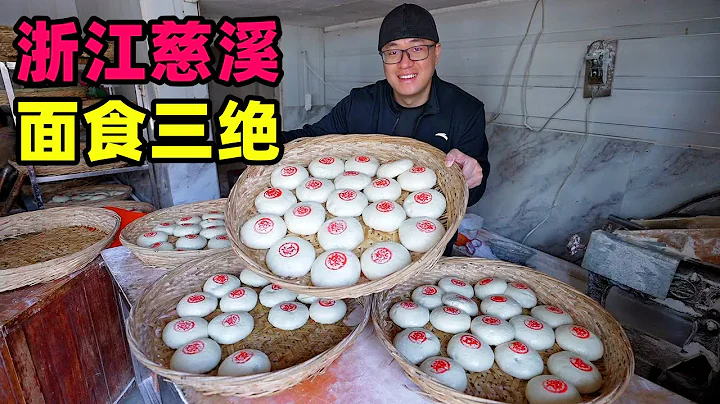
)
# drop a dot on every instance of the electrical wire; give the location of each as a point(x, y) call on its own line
point(503, 98)
point(318, 76)
point(577, 157)
point(526, 75)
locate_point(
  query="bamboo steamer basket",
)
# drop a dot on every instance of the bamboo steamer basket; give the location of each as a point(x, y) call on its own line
point(135, 206)
point(168, 259)
point(9, 54)
point(294, 355)
point(255, 179)
point(125, 190)
point(493, 386)
point(71, 247)
point(80, 167)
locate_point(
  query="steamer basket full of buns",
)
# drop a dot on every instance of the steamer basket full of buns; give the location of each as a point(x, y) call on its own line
point(218, 328)
point(170, 237)
point(343, 216)
point(482, 331)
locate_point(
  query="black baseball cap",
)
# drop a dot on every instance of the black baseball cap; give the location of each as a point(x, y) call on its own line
point(407, 21)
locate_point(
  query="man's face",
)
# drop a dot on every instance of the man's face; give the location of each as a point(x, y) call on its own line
point(408, 77)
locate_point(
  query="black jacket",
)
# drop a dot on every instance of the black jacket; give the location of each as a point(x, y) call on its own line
point(450, 110)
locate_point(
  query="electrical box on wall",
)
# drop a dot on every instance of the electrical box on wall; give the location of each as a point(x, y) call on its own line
point(600, 68)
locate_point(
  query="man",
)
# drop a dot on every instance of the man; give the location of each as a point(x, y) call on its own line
point(413, 101)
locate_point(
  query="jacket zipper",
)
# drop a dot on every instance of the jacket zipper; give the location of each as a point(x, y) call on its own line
point(417, 122)
point(395, 125)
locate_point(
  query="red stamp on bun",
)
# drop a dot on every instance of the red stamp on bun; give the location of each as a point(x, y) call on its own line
point(302, 210)
point(426, 226)
point(385, 206)
point(362, 159)
point(580, 364)
point(195, 298)
point(337, 226)
point(580, 332)
point(491, 320)
point(347, 195)
point(314, 184)
point(237, 293)
point(533, 324)
point(498, 299)
point(381, 255)
point(326, 302)
point(242, 357)
point(194, 347)
point(381, 183)
point(429, 290)
point(417, 337)
point(288, 171)
point(555, 386)
point(553, 309)
point(458, 282)
point(272, 193)
point(184, 325)
point(288, 307)
point(231, 320)
point(423, 197)
point(440, 366)
point(327, 160)
point(264, 225)
point(289, 249)
point(408, 305)
point(519, 347)
point(220, 279)
point(470, 341)
point(451, 310)
point(335, 260)
point(417, 169)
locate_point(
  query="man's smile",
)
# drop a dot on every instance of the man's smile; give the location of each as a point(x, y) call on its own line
point(407, 77)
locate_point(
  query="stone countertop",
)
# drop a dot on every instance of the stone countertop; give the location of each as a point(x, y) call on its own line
point(365, 373)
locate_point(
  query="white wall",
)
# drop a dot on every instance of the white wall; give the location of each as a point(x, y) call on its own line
point(298, 79)
point(12, 10)
point(666, 87)
point(298, 45)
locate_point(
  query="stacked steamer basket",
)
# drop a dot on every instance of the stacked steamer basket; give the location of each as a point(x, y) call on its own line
point(88, 195)
point(44, 245)
point(167, 238)
point(346, 215)
point(481, 331)
point(213, 326)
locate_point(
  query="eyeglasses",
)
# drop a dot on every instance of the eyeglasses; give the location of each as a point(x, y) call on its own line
point(415, 53)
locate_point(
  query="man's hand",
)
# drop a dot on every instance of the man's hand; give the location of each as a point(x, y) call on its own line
point(470, 167)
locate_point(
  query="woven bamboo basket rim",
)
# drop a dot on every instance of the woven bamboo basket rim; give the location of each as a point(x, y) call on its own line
point(450, 182)
point(81, 167)
point(144, 328)
point(35, 221)
point(126, 192)
point(9, 54)
point(616, 366)
point(137, 206)
point(168, 259)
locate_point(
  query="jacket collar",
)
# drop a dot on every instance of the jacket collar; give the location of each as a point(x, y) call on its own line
point(432, 106)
